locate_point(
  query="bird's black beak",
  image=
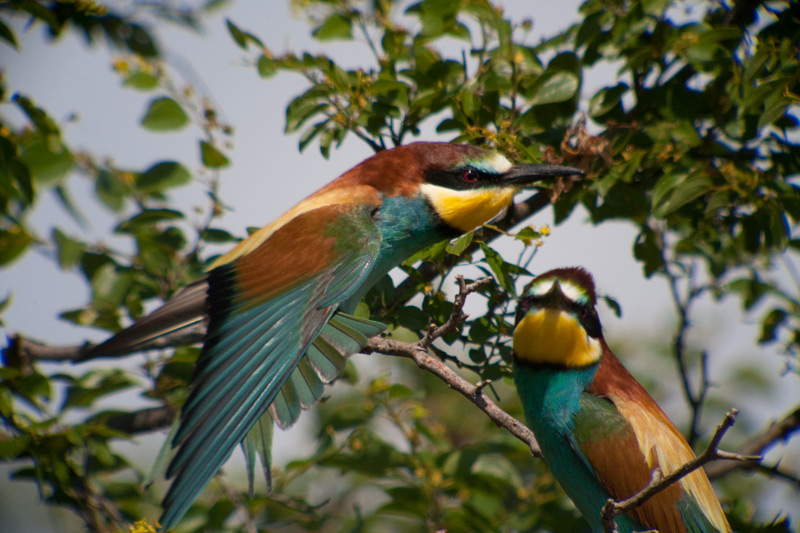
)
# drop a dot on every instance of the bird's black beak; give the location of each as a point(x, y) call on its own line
point(554, 299)
point(523, 175)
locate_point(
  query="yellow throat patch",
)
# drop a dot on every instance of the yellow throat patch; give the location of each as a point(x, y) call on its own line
point(550, 336)
point(468, 209)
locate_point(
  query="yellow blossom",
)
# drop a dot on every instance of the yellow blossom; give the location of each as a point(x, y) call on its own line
point(143, 526)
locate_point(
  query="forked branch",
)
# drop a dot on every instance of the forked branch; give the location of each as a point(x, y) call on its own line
point(418, 352)
point(659, 482)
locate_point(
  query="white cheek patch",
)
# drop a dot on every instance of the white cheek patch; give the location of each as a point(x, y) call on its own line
point(501, 164)
point(496, 164)
point(572, 291)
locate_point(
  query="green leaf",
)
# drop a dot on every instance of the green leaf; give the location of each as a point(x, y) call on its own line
point(607, 99)
point(162, 176)
point(69, 250)
point(217, 236)
point(470, 104)
point(94, 385)
point(110, 287)
point(673, 191)
point(211, 157)
point(266, 67)
point(13, 243)
point(558, 87)
point(301, 110)
point(141, 81)
point(241, 37)
point(769, 326)
point(310, 134)
point(146, 218)
point(527, 235)
point(11, 447)
point(647, 251)
point(7, 35)
point(5, 303)
point(48, 159)
point(383, 86)
point(433, 253)
point(413, 318)
point(613, 305)
point(110, 189)
point(500, 269)
point(164, 114)
point(62, 193)
point(774, 111)
point(238, 35)
point(459, 245)
point(335, 26)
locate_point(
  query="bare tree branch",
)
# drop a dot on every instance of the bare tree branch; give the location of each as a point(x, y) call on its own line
point(418, 352)
point(778, 431)
point(682, 308)
point(659, 482)
point(143, 420)
point(22, 352)
point(233, 495)
point(775, 471)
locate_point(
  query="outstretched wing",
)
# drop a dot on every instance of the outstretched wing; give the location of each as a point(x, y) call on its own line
point(624, 435)
point(266, 308)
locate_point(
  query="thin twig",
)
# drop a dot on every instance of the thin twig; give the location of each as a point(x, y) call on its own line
point(143, 420)
point(659, 482)
point(235, 498)
point(418, 352)
point(682, 308)
point(779, 431)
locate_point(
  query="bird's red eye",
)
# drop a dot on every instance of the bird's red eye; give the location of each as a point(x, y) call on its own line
point(469, 176)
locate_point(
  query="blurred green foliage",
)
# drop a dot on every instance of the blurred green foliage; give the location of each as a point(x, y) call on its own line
point(695, 144)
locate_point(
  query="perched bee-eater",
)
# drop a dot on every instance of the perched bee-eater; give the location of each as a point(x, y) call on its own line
point(278, 304)
point(600, 432)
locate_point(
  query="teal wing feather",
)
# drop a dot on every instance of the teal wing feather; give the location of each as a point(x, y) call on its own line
point(600, 432)
point(342, 336)
point(252, 351)
point(258, 443)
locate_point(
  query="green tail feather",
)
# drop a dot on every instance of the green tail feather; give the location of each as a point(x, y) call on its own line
point(258, 442)
point(341, 337)
point(164, 456)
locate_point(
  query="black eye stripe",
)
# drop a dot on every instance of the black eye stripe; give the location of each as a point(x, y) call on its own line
point(461, 178)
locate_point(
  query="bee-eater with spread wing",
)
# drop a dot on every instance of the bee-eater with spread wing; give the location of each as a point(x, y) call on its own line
point(278, 304)
point(600, 432)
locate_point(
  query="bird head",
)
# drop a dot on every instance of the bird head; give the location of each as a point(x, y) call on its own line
point(557, 323)
point(465, 186)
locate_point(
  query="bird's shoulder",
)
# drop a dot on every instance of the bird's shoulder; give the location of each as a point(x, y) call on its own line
point(326, 203)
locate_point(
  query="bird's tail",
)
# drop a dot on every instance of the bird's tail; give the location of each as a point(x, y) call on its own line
point(185, 309)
